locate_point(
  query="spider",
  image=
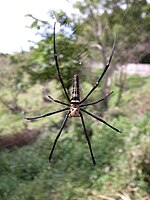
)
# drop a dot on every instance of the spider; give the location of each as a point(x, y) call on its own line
point(75, 107)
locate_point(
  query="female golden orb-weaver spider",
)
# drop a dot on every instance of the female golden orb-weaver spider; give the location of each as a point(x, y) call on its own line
point(75, 107)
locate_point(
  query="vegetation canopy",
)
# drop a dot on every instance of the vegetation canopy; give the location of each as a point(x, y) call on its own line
point(84, 44)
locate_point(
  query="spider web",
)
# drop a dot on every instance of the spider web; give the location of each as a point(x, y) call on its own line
point(11, 119)
point(10, 122)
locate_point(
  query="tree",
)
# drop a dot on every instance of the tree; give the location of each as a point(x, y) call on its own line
point(41, 64)
point(129, 19)
point(90, 34)
point(12, 81)
point(96, 29)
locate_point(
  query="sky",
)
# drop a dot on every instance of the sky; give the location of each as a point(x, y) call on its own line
point(14, 34)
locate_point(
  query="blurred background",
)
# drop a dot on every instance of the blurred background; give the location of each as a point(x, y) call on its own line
point(85, 32)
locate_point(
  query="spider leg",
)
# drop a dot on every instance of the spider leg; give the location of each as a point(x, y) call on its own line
point(45, 115)
point(87, 137)
point(101, 120)
point(55, 100)
point(57, 137)
point(57, 66)
point(95, 102)
point(105, 69)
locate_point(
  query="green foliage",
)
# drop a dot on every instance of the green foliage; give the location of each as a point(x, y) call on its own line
point(71, 173)
point(41, 64)
point(136, 81)
point(13, 82)
point(126, 19)
point(123, 161)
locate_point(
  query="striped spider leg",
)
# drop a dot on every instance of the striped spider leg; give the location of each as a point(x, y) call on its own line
point(75, 106)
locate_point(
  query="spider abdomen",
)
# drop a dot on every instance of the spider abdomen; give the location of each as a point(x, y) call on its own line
point(75, 97)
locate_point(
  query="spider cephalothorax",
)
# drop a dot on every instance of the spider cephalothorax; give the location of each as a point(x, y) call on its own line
point(75, 106)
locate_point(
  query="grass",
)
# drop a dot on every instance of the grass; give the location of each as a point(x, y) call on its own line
point(123, 160)
point(33, 104)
